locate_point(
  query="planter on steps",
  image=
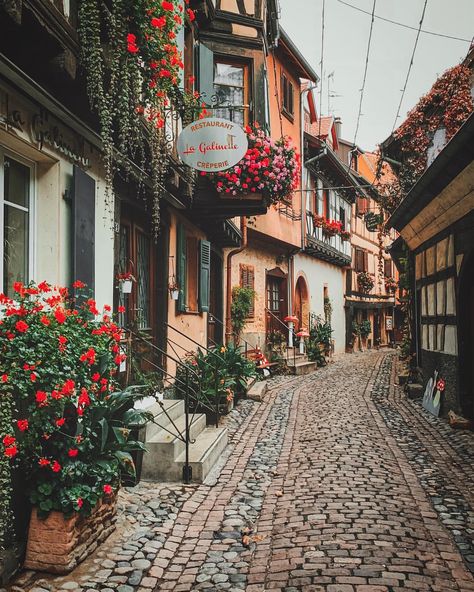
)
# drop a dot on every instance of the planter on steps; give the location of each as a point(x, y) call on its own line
point(58, 543)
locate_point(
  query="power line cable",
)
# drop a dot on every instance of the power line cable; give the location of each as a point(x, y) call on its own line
point(404, 25)
point(410, 66)
point(365, 73)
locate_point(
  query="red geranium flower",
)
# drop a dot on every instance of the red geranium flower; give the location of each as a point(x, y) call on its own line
point(44, 462)
point(78, 284)
point(4, 377)
point(60, 422)
point(44, 287)
point(11, 451)
point(167, 5)
point(191, 14)
point(79, 502)
point(108, 489)
point(95, 377)
point(60, 315)
point(33, 377)
point(8, 440)
point(41, 398)
point(44, 319)
point(22, 424)
point(158, 23)
point(73, 452)
point(21, 326)
point(55, 467)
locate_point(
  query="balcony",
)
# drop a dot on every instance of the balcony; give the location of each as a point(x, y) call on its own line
point(331, 249)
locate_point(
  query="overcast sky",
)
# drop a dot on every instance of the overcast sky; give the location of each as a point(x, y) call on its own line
point(346, 34)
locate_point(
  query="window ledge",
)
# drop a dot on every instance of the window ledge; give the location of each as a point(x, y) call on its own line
point(288, 115)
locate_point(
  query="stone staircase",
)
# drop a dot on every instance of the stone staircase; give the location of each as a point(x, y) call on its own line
point(300, 365)
point(165, 455)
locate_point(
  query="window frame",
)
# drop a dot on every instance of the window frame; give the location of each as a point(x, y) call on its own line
point(288, 96)
point(245, 65)
point(31, 210)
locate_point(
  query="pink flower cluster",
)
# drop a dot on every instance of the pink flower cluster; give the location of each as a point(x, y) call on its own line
point(268, 167)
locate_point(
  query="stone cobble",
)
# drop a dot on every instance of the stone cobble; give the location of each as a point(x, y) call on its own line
point(333, 483)
point(443, 489)
point(350, 514)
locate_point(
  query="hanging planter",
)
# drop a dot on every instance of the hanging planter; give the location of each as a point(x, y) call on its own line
point(268, 167)
point(365, 282)
point(125, 281)
point(331, 228)
point(345, 235)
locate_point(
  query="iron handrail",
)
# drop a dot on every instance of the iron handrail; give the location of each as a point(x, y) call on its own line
point(199, 345)
point(290, 330)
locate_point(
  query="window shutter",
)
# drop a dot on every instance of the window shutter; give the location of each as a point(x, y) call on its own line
point(366, 261)
point(361, 205)
point(290, 98)
point(84, 228)
point(388, 267)
point(204, 274)
point(247, 280)
point(342, 216)
point(205, 72)
point(181, 267)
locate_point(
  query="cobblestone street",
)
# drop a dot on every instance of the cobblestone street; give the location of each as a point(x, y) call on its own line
point(334, 483)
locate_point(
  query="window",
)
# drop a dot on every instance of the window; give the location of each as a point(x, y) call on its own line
point(287, 95)
point(342, 217)
point(361, 260)
point(16, 177)
point(326, 204)
point(247, 280)
point(192, 274)
point(231, 88)
point(193, 264)
point(388, 271)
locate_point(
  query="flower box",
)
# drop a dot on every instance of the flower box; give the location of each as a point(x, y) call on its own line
point(58, 543)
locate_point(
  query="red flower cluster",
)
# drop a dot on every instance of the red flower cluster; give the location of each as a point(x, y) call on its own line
point(268, 167)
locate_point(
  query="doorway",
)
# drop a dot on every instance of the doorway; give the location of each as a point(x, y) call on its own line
point(301, 306)
point(216, 302)
point(276, 300)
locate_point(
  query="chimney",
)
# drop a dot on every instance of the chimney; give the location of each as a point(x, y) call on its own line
point(338, 126)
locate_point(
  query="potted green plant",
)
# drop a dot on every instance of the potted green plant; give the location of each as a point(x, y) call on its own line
point(365, 328)
point(240, 368)
point(365, 282)
point(70, 429)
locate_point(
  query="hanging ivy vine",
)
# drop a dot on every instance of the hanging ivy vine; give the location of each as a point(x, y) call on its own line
point(133, 68)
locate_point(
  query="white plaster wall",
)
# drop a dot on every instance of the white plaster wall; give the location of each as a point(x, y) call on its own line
point(319, 274)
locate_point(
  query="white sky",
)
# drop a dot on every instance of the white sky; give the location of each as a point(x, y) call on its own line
point(346, 34)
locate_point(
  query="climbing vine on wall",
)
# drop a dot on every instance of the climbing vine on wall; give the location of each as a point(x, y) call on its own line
point(133, 66)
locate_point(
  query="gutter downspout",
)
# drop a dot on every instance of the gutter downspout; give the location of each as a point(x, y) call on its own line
point(228, 304)
point(303, 92)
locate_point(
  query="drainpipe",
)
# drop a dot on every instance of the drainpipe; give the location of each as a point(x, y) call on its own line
point(228, 303)
point(303, 92)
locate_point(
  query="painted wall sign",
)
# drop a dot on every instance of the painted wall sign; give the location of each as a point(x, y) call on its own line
point(212, 144)
point(388, 323)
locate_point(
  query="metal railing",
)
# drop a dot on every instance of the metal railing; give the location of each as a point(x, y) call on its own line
point(237, 338)
point(187, 382)
point(288, 330)
point(317, 233)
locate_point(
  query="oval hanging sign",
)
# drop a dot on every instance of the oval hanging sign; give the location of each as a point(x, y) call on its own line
point(212, 144)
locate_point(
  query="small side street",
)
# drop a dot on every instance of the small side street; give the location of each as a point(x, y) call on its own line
point(335, 482)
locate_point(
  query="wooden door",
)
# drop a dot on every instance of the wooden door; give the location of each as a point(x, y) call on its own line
point(276, 303)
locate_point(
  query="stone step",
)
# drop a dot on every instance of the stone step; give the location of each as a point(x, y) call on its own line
point(167, 444)
point(169, 409)
point(303, 367)
point(203, 453)
point(257, 391)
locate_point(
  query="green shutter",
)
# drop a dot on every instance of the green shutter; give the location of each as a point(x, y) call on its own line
point(181, 268)
point(205, 72)
point(204, 274)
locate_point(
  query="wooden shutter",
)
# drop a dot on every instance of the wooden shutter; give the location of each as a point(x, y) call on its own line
point(366, 261)
point(247, 280)
point(205, 72)
point(181, 267)
point(204, 274)
point(361, 205)
point(359, 260)
point(388, 268)
point(342, 217)
point(290, 98)
point(84, 228)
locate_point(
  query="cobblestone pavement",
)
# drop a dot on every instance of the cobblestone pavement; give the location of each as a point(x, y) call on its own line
point(334, 483)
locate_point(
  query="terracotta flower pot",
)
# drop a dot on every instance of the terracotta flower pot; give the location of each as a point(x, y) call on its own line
point(58, 543)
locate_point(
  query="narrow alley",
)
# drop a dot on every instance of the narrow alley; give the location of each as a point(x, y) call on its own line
point(336, 482)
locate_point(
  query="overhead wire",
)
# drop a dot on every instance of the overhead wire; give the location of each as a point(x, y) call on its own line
point(410, 66)
point(365, 72)
point(404, 25)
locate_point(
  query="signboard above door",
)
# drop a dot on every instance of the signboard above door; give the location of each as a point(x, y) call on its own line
point(212, 144)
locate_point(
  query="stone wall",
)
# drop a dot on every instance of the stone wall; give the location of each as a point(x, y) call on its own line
point(57, 544)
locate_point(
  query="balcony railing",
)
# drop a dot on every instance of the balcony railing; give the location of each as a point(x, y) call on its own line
point(332, 249)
